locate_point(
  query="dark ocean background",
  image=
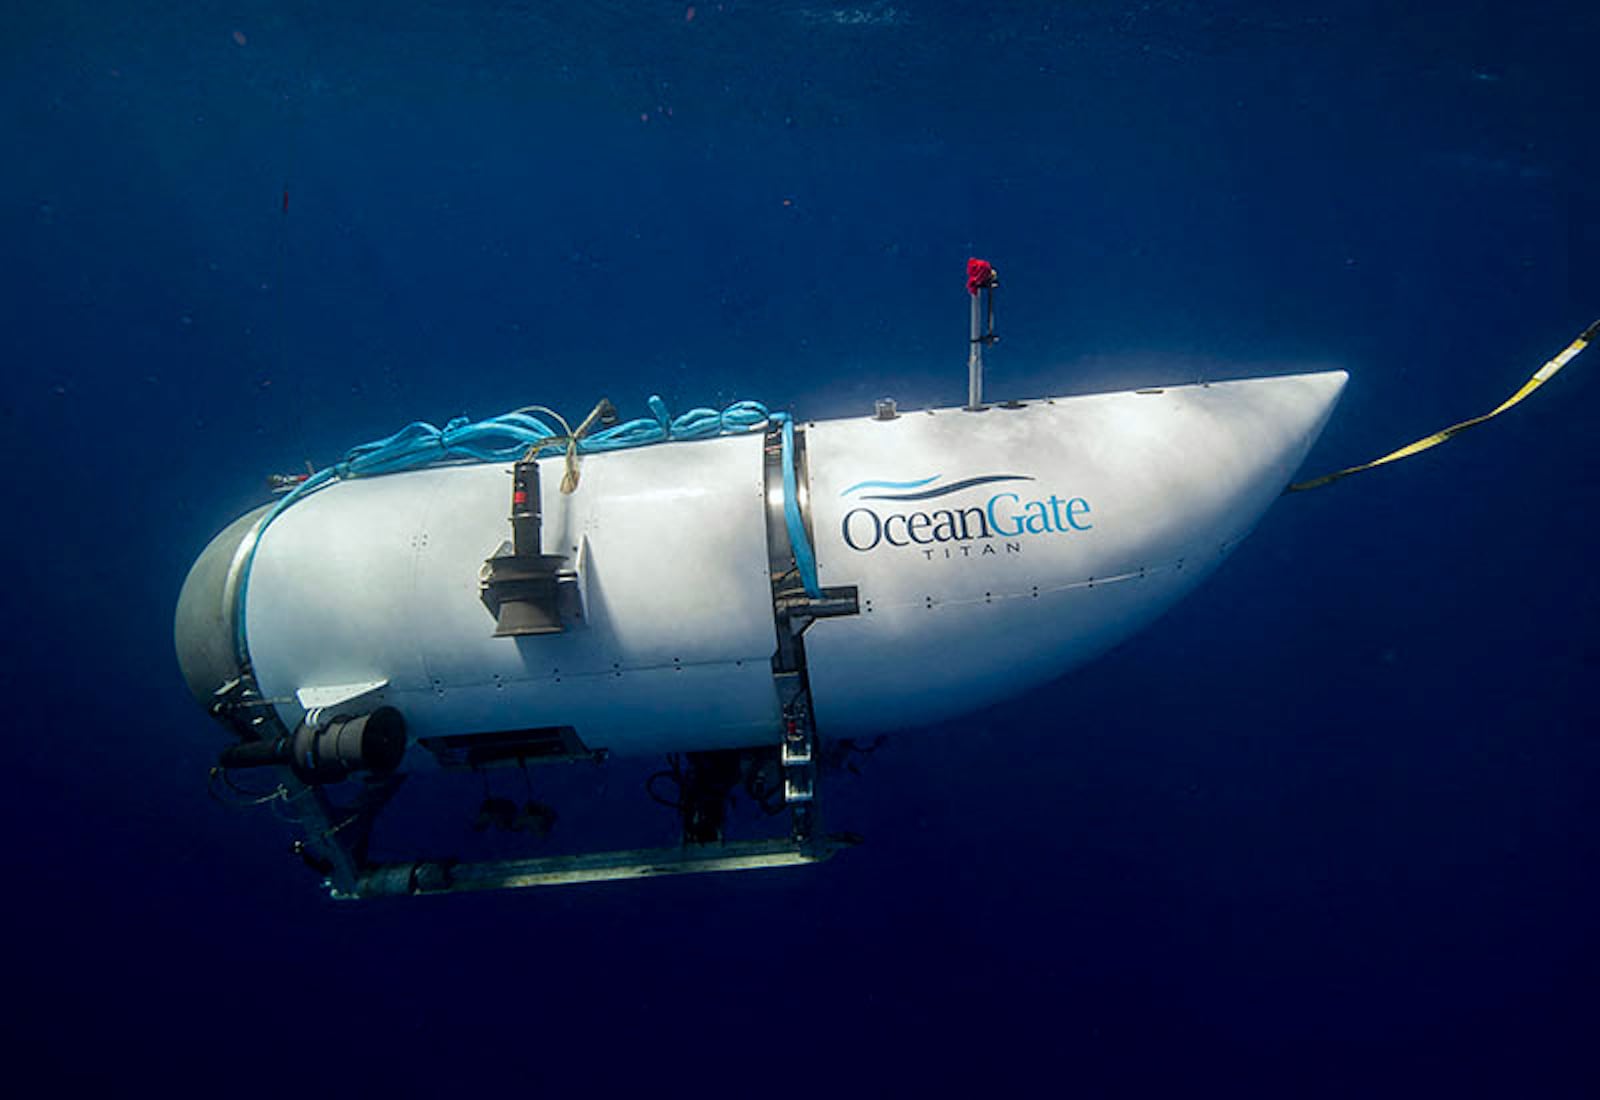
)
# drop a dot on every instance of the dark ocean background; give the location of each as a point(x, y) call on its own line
point(1327, 828)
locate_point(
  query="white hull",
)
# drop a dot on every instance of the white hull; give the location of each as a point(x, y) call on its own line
point(1094, 514)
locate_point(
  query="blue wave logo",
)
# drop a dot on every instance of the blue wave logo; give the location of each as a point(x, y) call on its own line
point(909, 490)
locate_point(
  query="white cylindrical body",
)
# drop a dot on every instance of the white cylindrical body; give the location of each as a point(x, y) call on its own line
point(1007, 547)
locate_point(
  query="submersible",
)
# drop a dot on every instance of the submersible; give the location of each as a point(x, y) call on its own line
point(744, 591)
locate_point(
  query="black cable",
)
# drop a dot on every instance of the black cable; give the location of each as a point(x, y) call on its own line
point(673, 772)
point(245, 799)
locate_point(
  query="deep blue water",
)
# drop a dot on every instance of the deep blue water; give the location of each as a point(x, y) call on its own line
point(1327, 827)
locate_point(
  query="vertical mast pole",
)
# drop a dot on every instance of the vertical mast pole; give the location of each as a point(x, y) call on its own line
point(975, 359)
point(982, 278)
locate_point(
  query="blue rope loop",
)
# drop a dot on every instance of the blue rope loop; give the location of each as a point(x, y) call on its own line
point(508, 437)
point(804, 560)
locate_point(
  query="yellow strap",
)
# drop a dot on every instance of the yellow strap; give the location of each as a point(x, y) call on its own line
point(1540, 377)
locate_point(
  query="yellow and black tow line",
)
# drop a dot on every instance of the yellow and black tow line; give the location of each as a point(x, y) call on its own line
point(1540, 377)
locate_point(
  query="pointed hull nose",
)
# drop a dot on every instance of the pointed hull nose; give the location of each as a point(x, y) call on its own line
point(995, 550)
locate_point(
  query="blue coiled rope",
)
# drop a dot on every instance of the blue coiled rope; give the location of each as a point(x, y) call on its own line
point(509, 437)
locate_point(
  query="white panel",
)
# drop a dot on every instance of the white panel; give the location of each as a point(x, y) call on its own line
point(378, 579)
point(1138, 497)
point(677, 558)
point(334, 695)
point(653, 710)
